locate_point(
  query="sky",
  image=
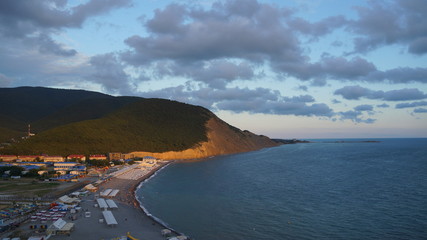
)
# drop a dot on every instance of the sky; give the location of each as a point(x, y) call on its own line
point(285, 69)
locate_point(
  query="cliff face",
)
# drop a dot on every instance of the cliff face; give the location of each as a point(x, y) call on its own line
point(222, 139)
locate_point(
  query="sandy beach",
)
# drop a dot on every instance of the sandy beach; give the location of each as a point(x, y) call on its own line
point(129, 215)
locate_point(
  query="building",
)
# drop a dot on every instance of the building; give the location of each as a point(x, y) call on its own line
point(148, 161)
point(64, 167)
point(53, 159)
point(8, 158)
point(115, 156)
point(30, 158)
point(128, 156)
point(97, 157)
point(22, 164)
point(77, 157)
point(78, 170)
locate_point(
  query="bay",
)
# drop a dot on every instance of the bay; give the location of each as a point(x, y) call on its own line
point(322, 190)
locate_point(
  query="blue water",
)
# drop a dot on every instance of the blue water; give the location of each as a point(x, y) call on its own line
point(321, 190)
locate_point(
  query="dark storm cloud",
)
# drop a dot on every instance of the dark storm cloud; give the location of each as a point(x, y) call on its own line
point(391, 22)
point(357, 92)
point(412, 104)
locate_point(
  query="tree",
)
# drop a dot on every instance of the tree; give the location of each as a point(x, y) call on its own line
point(32, 173)
point(16, 171)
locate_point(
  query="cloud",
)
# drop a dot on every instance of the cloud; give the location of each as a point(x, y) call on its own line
point(335, 101)
point(191, 38)
point(355, 116)
point(420, 110)
point(317, 29)
point(47, 45)
point(216, 73)
point(194, 38)
point(187, 34)
point(364, 107)
point(35, 21)
point(259, 100)
point(357, 92)
point(399, 75)
point(22, 18)
point(384, 105)
point(391, 22)
point(412, 104)
point(5, 81)
point(109, 72)
point(302, 88)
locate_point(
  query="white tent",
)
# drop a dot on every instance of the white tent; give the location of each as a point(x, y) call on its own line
point(113, 193)
point(101, 203)
point(109, 218)
point(68, 200)
point(60, 227)
point(111, 203)
point(60, 223)
point(106, 192)
point(91, 188)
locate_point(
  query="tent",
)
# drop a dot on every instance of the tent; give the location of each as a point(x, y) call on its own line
point(109, 218)
point(113, 193)
point(102, 203)
point(60, 227)
point(111, 204)
point(68, 200)
point(91, 188)
point(106, 192)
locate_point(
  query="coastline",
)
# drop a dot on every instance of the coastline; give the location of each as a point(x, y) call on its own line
point(130, 215)
point(138, 203)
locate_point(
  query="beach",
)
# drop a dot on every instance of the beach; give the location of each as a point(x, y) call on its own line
point(129, 215)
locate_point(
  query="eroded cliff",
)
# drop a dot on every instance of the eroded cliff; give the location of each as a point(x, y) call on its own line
point(222, 139)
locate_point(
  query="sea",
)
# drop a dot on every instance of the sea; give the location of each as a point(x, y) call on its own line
point(326, 189)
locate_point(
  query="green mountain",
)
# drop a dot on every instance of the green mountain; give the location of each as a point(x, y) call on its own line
point(82, 122)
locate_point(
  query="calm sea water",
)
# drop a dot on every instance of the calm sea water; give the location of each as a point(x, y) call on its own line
point(321, 190)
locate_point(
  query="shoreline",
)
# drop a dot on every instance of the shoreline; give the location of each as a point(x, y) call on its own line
point(138, 203)
point(130, 215)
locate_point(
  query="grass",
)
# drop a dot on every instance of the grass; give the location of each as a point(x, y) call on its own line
point(26, 187)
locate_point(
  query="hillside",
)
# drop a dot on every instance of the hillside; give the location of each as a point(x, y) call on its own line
point(99, 123)
point(23, 105)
